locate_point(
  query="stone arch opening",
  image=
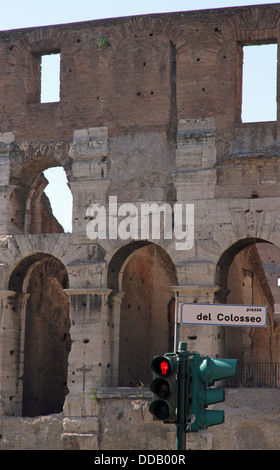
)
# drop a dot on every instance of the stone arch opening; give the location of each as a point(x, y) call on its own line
point(39, 216)
point(30, 210)
point(247, 274)
point(144, 273)
point(60, 196)
point(46, 337)
point(225, 261)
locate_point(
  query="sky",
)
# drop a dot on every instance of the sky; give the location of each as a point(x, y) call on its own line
point(29, 13)
point(26, 13)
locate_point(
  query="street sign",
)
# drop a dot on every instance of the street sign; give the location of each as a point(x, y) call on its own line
point(224, 315)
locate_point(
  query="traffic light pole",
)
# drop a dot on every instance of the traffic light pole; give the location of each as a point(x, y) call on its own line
point(182, 393)
point(177, 324)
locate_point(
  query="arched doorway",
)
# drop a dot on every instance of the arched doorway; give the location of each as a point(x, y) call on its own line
point(47, 333)
point(144, 274)
point(244, 275)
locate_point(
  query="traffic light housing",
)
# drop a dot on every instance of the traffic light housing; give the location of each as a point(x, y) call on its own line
point(205, 372)
point(164, 388)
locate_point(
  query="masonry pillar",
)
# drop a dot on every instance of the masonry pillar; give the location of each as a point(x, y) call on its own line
point(195, 176)
point(12, 332)
point(115, 314)
point(89, 183)
point(89, 363)
point(89, 358)
point(6, 146)
point(195, 181)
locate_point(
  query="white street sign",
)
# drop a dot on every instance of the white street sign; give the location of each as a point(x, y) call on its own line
point(224, 315)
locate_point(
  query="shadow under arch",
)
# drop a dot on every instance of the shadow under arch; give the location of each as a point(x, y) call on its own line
point(119, 259)
point(45, 333)
point(244, 274)
point(225, 261)
point(142, 273)
point(25, 266)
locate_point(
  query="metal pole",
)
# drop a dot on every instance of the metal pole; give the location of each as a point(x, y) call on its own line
point(177, 324)
point(182, 357)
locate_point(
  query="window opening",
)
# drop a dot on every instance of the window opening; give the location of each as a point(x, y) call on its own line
point(50, 78)
point(60, 196)
point(259, 83)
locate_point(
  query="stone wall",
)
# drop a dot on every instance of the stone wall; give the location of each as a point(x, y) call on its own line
point(124, 423)
point(149, 112)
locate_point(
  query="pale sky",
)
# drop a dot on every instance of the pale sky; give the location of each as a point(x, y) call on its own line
point(28, 13)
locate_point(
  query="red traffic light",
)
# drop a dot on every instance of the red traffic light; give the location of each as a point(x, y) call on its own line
point(162, 366)
point(163, 386)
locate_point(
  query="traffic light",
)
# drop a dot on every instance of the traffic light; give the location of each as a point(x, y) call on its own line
point(164, 387)
point(205, 371)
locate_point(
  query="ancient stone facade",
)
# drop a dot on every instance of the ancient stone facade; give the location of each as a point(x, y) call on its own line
point(149, 112)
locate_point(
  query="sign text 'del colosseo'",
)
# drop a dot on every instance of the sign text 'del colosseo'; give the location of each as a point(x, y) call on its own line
point(227, 315)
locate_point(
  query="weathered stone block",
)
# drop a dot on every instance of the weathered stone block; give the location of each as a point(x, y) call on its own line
point(79, 441)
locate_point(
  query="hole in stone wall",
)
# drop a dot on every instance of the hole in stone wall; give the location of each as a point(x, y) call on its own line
point(259, 83)
point(50, 78)
point(60, 196)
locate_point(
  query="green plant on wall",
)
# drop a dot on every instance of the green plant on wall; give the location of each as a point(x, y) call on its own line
point(141, 386)
point(94, 396)
point(103, 44)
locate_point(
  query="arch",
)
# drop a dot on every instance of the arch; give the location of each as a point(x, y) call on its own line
point(251, 23)
point(227, 257)
point(26, 52)
point(29, 208)
point(243, 277)
point(40, 39)
point(118, 260)
point(46, 333)
point(24, 266)
point(144, 273)
point(150, 24)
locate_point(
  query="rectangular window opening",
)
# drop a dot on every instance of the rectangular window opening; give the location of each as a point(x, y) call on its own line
point(50, 78)
point(259, 83)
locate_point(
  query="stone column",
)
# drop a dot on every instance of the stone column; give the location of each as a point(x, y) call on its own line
point(6, 146)
point(89, 183)
point(115, 312)
point(12, 334)
point(89, 355)
point(88, 366)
